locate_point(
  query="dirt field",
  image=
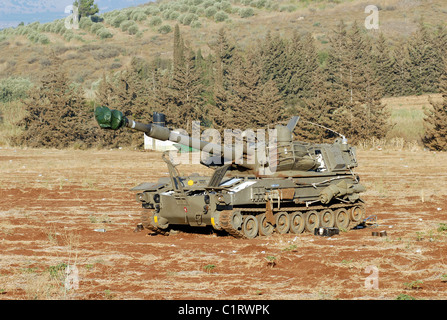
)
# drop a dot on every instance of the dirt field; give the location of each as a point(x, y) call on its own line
point(51, 203)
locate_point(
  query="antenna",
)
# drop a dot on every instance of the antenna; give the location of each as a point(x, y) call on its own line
point(344, 140)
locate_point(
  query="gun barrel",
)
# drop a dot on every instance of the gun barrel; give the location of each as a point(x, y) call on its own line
point(113, 119)
point(163, 133)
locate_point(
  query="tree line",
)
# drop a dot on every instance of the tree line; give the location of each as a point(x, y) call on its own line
point(258, 85)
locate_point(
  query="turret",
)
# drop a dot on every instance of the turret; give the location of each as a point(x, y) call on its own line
point(281, 156)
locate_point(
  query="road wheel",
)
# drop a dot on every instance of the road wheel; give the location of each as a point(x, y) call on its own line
point(342, 219)
point(250, 227)
point(327, 218)
point(357, 213)
point(282, 222)
point(236, 220)
point(297, 222)
point(312, 220)
point(265, 228)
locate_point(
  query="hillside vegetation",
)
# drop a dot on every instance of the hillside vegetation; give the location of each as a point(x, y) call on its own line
point(296, 54)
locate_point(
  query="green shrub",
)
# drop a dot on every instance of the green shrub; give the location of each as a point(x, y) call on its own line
point(138, 16)
point(226, 6)
point(36, 37)
point(85, 23)
point(13, 88)
point(62, 30)
point(174, 15)
point(200, 11)
point(43, 39)
point(151, 10)
point(34, 25)
point(126, 24)
point(192, 9)
point(183, 8)
point(104, 33)
point(133, 29)
point(210, 11)
point(208, 3)
point(189, 18)
point(174, 6)
point(95, 27)
point(166, 14)
point(155, 21)
point(246, 12)
point(116, 22)
point(32, 36)
point(220, 16)
point(196, 24)
point(165, 29)
point(59, 27)
point(41, 28)
point(289, 8)
point(69, 35)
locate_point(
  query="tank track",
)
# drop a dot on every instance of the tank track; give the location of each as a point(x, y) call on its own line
point(225, 216)
point(147, 220)
point(225, 223)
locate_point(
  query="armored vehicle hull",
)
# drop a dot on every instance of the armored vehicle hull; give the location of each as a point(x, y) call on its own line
point(247, 206)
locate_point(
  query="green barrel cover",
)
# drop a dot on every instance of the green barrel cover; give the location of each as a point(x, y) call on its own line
point(109, 119)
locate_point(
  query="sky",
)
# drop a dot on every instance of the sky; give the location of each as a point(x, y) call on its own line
point(12, 12)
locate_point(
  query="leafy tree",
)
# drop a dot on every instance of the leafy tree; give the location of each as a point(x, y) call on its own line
point(57, 115)
point(86, 8)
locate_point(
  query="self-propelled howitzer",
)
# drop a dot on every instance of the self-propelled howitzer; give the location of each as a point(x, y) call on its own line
point(290, 186)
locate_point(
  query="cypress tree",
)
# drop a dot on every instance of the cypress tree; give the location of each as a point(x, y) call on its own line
point(162, 96)
point(439, 43)
point(220, 110)
point(318, 111)
point(275, 63)
point(352, 77)
point(254, 104)
point(423, 63)
point(186, 91)
point(435, 123)
point(401, 71)
point(384, 65)
point(179, 48)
